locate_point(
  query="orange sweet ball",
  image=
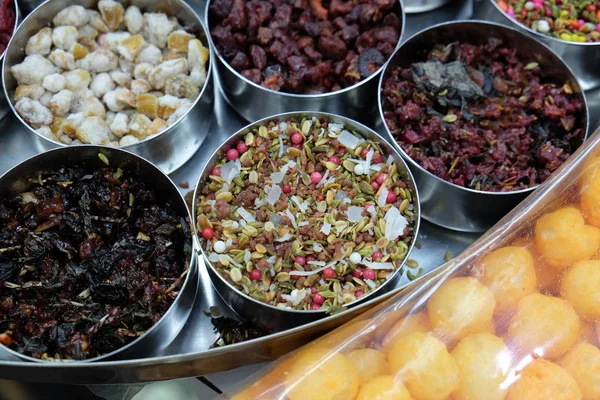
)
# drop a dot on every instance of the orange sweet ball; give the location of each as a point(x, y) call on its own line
point(423, 363)
point(482, 366)
point(548, 278)
point(509, 273)
point(383, 388)
point(321, 374)
point(563, 238)
point(581, 287)
point(544, 325)
point(369, 363)
point(589, 184)
point(459, 307)
point(543, 380)
point(413, 323)
point(583, 363)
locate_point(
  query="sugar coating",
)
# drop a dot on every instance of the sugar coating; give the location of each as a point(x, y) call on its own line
point(65, 37)
point(134, 19)
point(33, 70)
point(40, 43)
point(33, 112)
point(54, 83)
point(72, 15)
point(101, 84)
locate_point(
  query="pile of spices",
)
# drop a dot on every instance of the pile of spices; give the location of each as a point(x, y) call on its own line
point(7, 22)
point(305, 46)
point(571, 20)
point(305, 214)
point(231, 331)
point(89, 261)
point(479, 117)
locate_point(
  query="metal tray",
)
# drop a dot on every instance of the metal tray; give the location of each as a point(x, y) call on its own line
point(189, 354)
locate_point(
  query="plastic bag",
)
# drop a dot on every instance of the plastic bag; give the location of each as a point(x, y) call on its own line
point(515, 316)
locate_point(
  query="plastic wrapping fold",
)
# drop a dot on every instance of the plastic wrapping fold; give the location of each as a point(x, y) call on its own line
point(515, 316)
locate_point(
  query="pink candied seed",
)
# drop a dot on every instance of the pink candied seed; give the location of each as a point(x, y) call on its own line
point(524, 12)
point(316, 177)
point(315, 307)
point(511, 12)
point(580, 23)
point(318, 299)
point(598, 27)
point(313, 290)
point(300, 260)
point(369, 274)
point(359, 293)
point(537, 6)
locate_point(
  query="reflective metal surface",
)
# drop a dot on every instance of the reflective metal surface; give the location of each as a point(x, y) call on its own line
point(419, 6)
point(583, 58)
point(444, 203)
point(254, 102)
point(264, 315)
point(168, 150)
point(168, 327)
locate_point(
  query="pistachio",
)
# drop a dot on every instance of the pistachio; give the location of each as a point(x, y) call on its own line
point(253, 177)
point(225, 196)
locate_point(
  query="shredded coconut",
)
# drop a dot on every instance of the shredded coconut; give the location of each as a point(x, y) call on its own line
point(354, 213)
point(326, 228)
point(230, 170)
point(348, 140)
point(291, 217)
point(246, 215)
point(273, 193)
point(382, 199)
point(284, 238)
point(395, 223)
point(378, 265)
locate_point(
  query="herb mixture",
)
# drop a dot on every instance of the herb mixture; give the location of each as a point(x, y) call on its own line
point(305, 46)
point(89, 261)
point(571, 20)
point(305, 214)
point(479, 117)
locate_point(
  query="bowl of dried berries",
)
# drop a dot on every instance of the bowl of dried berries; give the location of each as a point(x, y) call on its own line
point(132, 74)
point(302, 214)
point(569, 27)
point(277, 56)
point(483, 114)
point(95, 256)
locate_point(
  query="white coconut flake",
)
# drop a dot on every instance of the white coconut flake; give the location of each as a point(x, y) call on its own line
point(390, 160)
point(395, 223)
point(319, 263)
point(382, 199)
point(292, 218)
point(284, 238)
point(231, 260)
point(317, 247)
point(272, 260)
point(370, 283)
point(303, 223)
point(273, 286)
point(272, 272)
point(354, 213)
point(341, 195)
point(213, 257)
point(229, 242)
point(282, 148)
point(335, 128)
point(273, 193)
point(247, 256)
point(316, 271)
point(303, 207)
point(295, 297)
point(258, 203)
point(230, 170)
point(348, 140)
point(246, 215)
point(378, 265)
point(326, 228)
point(323, 179)
point(275, 219)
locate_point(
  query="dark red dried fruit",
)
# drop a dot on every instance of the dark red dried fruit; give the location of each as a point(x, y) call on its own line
point(370, 60)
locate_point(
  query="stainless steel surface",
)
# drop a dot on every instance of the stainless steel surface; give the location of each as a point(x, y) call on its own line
point(254, 102)
point(170, 149)
point(168, 327)
point(583, 58)
point(27, 6)
point(419, 6)
point(188, 354)
point(445, 203)
point(267, 316)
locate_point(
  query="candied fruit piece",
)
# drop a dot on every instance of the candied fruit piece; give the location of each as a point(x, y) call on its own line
point(134, 19)
point(178, 41)
point(96, 21)
point(157, 126)
point(77, 79)
point(62, 59)
point(85, 102)
point(131, 47)
point(101, 84)
point(40, 43)
point(33, 70)
point(60, 104)
point(139, 86)
point(72, 15)
point(150, 55)
point(101, 60)
point(167, 105)
point(87, 32)
point(112, 13)
point(147, 105)
point(33, 112)
point(112, 40)
point(65, 37)
point(70, 124)
point(120, 125)
point(197, 54)
point(54, 83)
point(159, 75)
point(79, 51)
point(34, 92)
point(93, 130)
point(182, 86)
point(156, 28)
point(139, 125)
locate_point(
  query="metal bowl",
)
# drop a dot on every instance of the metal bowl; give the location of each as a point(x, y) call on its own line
point(170, 149)
point(164, 331)
point(269, 317)
point(583, 58)
point(419, 6)
point(254, 102)
point(445, 203)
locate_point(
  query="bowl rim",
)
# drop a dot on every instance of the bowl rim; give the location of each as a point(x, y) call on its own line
point(189, 264)
point(538, 34)
point(218, 56)
point(412, 162)
point(287, 115)
point(39, 9)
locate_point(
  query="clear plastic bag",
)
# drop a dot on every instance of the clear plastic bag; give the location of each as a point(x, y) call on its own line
point(516, 316)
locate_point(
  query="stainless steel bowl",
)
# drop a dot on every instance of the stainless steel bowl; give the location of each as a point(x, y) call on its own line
point(254, 102)
point(265, 315)
point(583, 58)
point(164, 331)
point(170, 149)
point(445, 203)
point(27, 6)
point(419, 6)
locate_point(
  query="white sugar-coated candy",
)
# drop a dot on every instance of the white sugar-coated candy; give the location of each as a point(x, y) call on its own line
point(219, 246)
point(529, 5)
point(543, 26)
point(355, 258)
point(359, 169)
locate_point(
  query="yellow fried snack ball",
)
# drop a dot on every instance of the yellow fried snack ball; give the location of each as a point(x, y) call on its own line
point(369, 363)
point(509, 273)
point(543, 380)
point(581, 287)
point(590, 191)
point(423, 363)
point(385, 322)
point(459, 307)
point(383, 388)
point(544, 325)
point(413, 323)
point(481, 360)
point(583, 363)
point(563, 238)
point(321, 374)
point(354, 335)
point(548, 278)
